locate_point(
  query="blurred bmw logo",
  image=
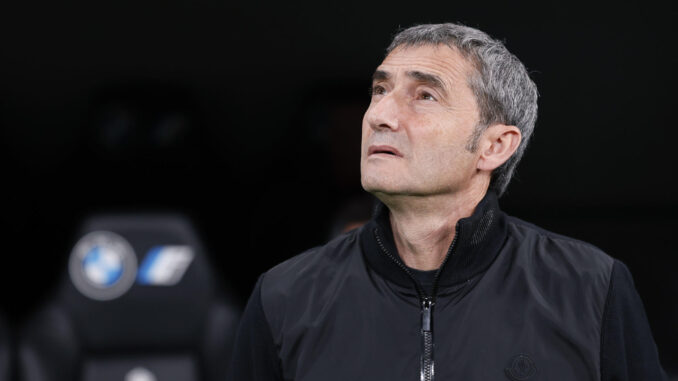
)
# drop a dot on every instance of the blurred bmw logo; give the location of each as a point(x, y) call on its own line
point(102, 265)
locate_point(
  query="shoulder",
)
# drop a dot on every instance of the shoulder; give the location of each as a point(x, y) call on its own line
point(558, 250)
point(561, 270)
point(560, 267)
point(299, 282)
point(320, 261)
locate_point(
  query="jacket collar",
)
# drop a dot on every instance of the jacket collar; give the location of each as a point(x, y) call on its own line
point(478, 240)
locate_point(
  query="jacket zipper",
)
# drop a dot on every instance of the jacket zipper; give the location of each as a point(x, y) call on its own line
point(427, 363)
point(426, 369)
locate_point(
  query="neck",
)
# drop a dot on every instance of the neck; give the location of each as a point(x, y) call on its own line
point(424, 227)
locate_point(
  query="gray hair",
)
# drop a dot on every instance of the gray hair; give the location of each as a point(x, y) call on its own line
point(501, 84)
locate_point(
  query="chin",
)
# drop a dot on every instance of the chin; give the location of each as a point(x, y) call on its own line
point(372, 184)
point(381, 185)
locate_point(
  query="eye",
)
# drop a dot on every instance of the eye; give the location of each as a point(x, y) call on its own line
point(425, 95)
point(377, 90)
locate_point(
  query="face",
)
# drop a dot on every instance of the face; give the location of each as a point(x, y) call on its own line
point(419, 122)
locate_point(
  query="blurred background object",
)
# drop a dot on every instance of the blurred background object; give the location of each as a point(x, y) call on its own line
point(352, 214)
point(138, 301)
point(246, 116)
point(5, 350)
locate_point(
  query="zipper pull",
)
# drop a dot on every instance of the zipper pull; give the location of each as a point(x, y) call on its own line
point(426, 313)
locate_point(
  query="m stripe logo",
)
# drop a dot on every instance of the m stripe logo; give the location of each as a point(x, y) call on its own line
point(165, 265)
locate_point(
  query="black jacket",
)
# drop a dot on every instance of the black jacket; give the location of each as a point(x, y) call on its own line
point(511, 301)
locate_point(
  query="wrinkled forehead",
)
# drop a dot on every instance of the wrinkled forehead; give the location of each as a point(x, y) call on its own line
point(444, 61)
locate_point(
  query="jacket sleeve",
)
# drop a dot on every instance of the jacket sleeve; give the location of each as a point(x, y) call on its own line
point(255, 357)
point(628, 351)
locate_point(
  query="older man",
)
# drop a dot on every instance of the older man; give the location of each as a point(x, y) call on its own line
point(441, 284)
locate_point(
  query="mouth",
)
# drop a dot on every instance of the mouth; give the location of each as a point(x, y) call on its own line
point(383, 150)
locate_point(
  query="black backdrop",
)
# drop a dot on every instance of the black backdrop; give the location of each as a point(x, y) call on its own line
point(246, 116)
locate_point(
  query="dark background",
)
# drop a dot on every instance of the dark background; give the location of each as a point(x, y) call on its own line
point(246, 117)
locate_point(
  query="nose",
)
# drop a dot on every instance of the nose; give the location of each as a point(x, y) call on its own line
point(385, 113)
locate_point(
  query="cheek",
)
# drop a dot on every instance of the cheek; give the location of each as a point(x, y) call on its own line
point(441, 150)
point(447, 132)
point(435, 140)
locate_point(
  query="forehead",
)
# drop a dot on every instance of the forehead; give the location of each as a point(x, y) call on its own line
point(441, 60)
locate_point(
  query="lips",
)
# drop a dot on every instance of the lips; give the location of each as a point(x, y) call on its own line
point(383, 149)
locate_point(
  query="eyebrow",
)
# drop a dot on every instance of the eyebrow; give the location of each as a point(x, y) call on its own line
point(381, 75)
point(426, 78)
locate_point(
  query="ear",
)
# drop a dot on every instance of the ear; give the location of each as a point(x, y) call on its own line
point(497, 144)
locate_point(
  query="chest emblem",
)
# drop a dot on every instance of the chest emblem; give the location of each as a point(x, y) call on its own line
point(521, 367)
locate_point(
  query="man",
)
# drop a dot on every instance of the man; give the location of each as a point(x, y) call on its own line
point(441, 284)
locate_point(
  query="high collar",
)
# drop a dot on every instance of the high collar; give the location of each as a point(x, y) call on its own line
point(478, 240)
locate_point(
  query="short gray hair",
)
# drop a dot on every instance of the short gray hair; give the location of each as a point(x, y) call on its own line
point(501, 84)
